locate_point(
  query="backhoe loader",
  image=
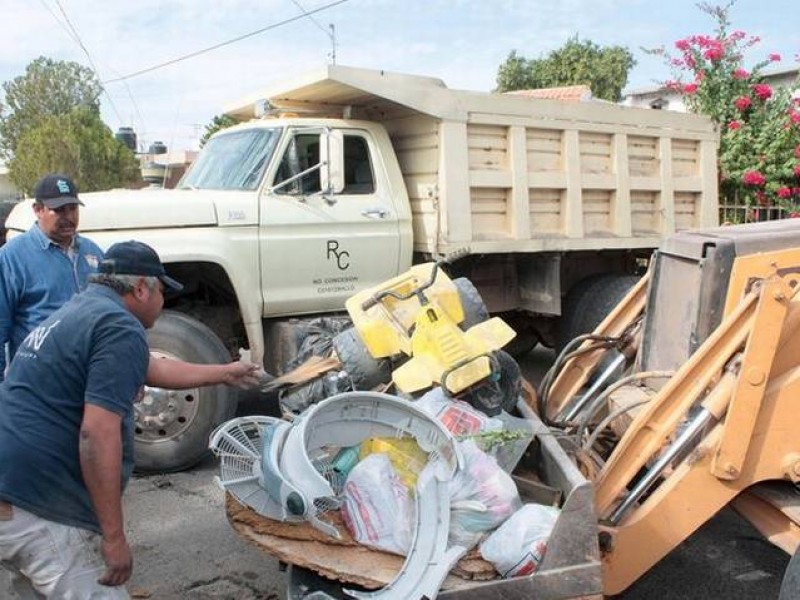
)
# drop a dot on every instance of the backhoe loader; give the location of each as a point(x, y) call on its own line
point(685, 399)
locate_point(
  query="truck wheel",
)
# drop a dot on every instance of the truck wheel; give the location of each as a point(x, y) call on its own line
point(589, 302)
point(790, 588)
point(475, 310)
point(172, 426)
point(364, 370)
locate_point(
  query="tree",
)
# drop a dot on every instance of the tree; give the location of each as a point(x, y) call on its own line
point(759, 153)
point(77, 144)
point(48, 88)
point(217, 123)
point(50, 121)
point(604, 69)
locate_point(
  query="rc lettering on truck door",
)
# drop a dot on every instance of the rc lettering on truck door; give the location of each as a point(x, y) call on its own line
point(317, 247)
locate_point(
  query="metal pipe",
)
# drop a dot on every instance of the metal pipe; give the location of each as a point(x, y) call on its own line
point(700, 421)
point(598, 383)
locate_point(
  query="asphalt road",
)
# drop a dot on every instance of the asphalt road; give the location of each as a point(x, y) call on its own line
point(184, 548)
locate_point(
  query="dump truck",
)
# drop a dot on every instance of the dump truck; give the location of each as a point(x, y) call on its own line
point(346, 177)
point(684, 400)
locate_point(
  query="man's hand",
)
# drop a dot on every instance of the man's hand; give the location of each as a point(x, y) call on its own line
point(119, 561)
point(243, 374)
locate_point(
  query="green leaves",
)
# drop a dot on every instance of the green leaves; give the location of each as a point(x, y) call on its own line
point(217, 123)
point(759, 126)
point(50, 121)
point(579, 62)
point(78, 144)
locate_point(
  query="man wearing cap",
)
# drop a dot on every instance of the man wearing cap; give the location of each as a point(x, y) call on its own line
point(66, 432)
point(44, 267)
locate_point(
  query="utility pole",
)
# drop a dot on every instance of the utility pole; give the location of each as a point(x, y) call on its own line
point(332, 35)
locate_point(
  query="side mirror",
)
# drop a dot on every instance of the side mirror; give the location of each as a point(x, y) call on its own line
point(331, 154)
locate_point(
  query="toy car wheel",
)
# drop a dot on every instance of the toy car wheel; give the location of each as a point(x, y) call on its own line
point(172, 427)
point(475, 310)
point(365, 371)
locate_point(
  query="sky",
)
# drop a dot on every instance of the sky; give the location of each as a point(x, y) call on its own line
point(459, 41)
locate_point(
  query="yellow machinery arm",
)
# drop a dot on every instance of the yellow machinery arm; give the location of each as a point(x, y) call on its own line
point(726, 421)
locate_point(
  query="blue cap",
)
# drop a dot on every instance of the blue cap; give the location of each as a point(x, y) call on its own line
point(56, 190)
point(136, 258)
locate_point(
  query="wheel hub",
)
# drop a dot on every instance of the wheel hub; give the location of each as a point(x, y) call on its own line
point(162, 414)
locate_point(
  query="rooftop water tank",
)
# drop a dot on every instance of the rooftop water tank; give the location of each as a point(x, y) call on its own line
point(158, 148)
point(127, 136)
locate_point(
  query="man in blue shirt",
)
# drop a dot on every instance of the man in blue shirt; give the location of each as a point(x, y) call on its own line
point(66, 431)
point(44, 267)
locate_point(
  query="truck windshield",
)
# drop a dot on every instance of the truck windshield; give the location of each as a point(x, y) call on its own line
point(232, 161)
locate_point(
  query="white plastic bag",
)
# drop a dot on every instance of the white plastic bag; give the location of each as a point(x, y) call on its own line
point(519, 544)
point(378, 510)
point(482, 496)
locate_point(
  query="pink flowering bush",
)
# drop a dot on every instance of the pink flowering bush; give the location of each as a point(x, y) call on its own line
point(759, 154)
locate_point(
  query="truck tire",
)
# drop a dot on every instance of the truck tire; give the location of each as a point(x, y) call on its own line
point(172, 427)
point(475, 310)
point(365, 371)
point(589, 302)
point(790, 588)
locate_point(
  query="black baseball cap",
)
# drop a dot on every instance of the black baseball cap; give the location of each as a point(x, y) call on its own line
point(56, 190)
point(136, 258)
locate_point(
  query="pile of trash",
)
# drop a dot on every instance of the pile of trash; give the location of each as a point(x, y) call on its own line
point(425, 472)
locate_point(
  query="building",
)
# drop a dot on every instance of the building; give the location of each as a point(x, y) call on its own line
point(663, 98)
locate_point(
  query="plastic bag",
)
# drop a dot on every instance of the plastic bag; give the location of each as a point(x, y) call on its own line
point(482, 496)
point(463, 421)
point(378, 510)
point(407, 458)
point(457, 416)
point(519, 544)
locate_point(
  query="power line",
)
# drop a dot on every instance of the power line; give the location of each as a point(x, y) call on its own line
point(330, 32)
point(79, 41)
point(226, 43)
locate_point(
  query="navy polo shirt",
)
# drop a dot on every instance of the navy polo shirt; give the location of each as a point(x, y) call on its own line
point(90, 350)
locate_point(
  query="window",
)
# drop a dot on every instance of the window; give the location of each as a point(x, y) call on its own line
point(358, 176)
point(232, 161)
point(301, 155)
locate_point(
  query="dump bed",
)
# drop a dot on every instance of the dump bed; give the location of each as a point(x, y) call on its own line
point(502, 173)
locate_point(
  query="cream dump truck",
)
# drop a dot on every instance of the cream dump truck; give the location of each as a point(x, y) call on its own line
point(352, 175)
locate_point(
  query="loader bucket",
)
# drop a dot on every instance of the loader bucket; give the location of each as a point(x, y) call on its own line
point(571, 566)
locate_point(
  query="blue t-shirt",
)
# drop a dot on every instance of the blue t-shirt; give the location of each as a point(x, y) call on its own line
point(91, 350)
point(37, 277)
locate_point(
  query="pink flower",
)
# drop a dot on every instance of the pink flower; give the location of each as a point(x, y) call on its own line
point(734, 125)
point(682, 45)
point(784, 192)
point(742, 103)
point(775, 57)
point(753, 178)
point(797, 171)
point(690, 88)
point(762, 90)
point(794, 215)
point(714, 52)
point(794, 116)
point(740, 74)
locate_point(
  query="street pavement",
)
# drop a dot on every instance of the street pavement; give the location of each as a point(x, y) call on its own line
point(184, 547)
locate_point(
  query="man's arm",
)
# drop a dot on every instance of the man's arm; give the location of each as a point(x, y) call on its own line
point(179, 375)
point(100, 450)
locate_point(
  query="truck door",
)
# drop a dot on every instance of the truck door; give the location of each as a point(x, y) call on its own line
point(319, 246)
